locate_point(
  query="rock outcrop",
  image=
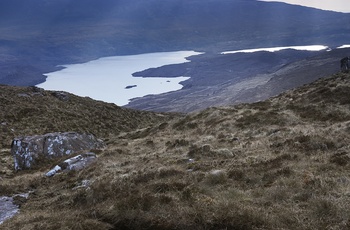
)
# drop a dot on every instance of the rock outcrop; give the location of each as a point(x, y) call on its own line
point(7, 208)
point(75, 163)
point(27, 151)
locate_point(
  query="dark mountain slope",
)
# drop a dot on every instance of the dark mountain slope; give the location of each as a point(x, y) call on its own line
point(37, 35)
point(282, 163)
point(218, 80)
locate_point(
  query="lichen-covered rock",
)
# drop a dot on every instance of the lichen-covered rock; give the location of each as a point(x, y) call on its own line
point(28, 150)
point(7, 208)
point(75, 163)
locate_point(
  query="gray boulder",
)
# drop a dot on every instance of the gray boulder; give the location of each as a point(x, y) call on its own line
point(75, 163)
point(7, 208)
point(63, 96)
point(27, 151)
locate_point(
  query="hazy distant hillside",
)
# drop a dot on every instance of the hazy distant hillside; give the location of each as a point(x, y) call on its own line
point(37, 35)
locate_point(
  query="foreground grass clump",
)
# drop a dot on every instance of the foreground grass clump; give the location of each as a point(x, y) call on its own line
point(268, 165)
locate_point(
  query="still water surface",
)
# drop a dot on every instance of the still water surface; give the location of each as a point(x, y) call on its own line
point(110, 79)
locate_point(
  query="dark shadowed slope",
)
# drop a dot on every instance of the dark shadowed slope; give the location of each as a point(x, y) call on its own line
point(37, 35)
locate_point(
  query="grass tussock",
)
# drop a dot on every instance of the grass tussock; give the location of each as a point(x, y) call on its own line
point(267, 165)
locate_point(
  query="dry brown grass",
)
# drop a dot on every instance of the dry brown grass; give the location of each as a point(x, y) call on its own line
point(30, 111)
point(269, 165)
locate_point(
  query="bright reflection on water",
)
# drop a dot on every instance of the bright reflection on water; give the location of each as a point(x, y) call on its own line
point(274, 49)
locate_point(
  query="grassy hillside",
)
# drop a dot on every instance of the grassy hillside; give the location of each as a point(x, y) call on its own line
point(32, 111)
point(282, 163)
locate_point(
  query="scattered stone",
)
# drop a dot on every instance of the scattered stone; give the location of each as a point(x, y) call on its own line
point(27, 151)
point(84, 184)
point(37, 94)
point(7, 208)
point(36, 89)
point(63, 96)
point(75, 163)
point(53, 171)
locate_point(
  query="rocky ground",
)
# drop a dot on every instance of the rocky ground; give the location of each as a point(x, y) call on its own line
point(27, 111)
point(220, 80)
point(282, 163)
point(7, 208)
